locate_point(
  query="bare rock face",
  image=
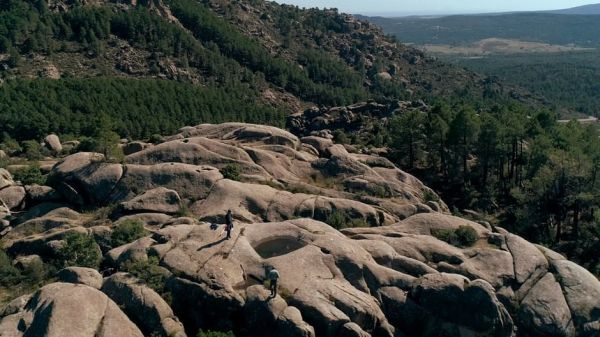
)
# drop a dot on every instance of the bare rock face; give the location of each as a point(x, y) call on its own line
point(52, 142)
point(5, 179)
point(13, 196)
point(39, 194)
point(60, 309)
point(143, 305)
point(85, 178)
point(545, 312)
point(79, 275)
point(460, 302)
point(159, 200)
point(268, 316)
point(385, 274)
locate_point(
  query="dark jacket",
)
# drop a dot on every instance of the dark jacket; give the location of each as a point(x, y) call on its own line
point(229, 220)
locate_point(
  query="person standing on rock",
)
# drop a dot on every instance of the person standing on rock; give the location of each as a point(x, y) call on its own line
point(273, 277)
point(229, 223)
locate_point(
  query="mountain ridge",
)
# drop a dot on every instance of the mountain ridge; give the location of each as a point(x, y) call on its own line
point(267, 54)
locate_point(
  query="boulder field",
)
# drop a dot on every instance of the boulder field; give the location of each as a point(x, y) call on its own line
point(381, 272)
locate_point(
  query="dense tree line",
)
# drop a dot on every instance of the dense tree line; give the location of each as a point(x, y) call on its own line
point(537, 177)
point(140, 108)
point(455, 30)
point(208, 28)
point(569, 80)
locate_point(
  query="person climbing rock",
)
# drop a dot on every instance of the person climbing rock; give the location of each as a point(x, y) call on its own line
point(229, 223)
point(273, 277)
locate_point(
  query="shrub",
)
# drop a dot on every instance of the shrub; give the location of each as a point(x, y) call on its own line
point(30, 175)
point(8, 273)
point(9, 145)
point(156, 139)
point(210, 333)
point(340, 137)
point(32, 150)
point(149, 272)
point(446, 235)
point(232, 172)
point(126, 232)
point(429, 195)
point(336, 220)
point(466, 236)
point(463, 236)
point(79, 250)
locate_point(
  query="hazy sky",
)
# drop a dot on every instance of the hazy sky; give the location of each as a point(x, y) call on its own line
point(436, 6)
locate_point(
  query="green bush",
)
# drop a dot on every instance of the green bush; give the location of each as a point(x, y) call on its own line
point(463, 236)
point(126, 232)
point(429, 195)
point(156, 139)
point(336, 220)
point(30, 175)
point(340, 137)
point(8, 273)
point(149, 272)
point(210, 333)
point(466, 236)
point(32, 150)
point(232, 172)
point(9, 145)
point(79, 250)
point(446, 235)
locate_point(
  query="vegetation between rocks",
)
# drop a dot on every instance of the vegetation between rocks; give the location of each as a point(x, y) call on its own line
point(463, 236)
point(127, 231)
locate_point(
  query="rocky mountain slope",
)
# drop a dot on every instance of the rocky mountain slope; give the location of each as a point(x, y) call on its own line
point(256, 53)
point(363, 248)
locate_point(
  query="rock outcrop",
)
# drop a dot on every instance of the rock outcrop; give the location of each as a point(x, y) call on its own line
point(62, 309)
point(143, 305)
point(52, 143)
point(384, 274)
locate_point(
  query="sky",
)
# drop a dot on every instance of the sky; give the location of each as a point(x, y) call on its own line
point(424, 7)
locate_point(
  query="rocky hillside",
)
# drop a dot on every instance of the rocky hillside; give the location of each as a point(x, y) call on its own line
point(97, 57)
point(363, 248)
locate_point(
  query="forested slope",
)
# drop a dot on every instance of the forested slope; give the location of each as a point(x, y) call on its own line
point(262, 55)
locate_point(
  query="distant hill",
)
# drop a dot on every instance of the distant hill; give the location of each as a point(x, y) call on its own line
point(550, 28)
point(552, 54)
point(593, 9)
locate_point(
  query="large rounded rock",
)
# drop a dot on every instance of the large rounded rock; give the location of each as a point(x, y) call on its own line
point(528, 259)
point(62, 309)
point(86, 176)
point(13, 196)
point(143, 305)
point(159, 200)
point(134, 251)
point(39, 194)
point(581, 290)
point(190, 181)
point(268, 316)
point(5, 178)
point(52, 142)
point(545, 312)
point(455, 299)
point(57, 218)
point(80, 275)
